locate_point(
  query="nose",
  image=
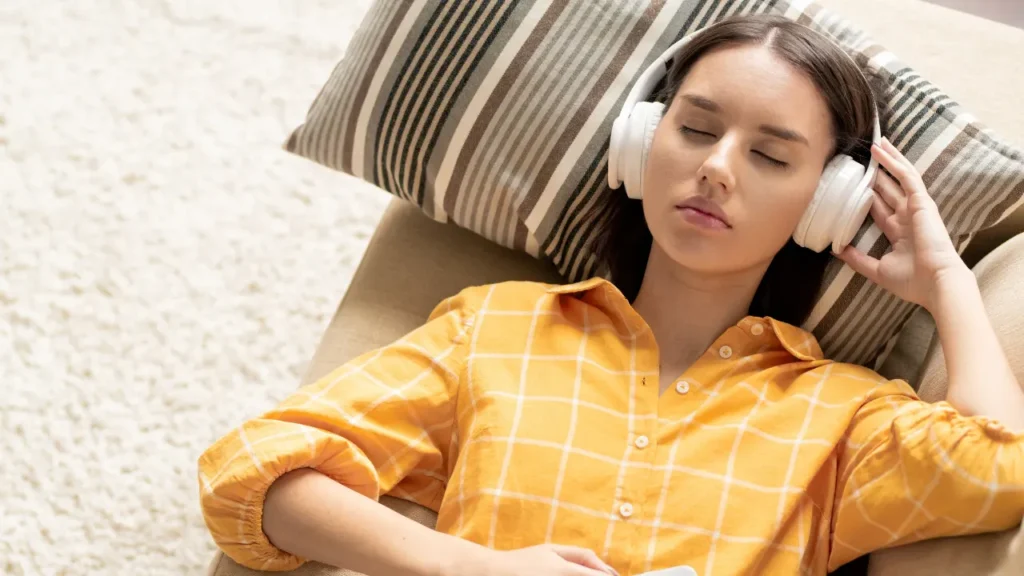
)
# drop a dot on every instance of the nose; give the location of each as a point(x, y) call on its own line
point(717, 170)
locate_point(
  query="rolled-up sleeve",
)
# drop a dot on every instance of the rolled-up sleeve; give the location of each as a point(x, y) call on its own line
point(380, 424)
point(911, 471)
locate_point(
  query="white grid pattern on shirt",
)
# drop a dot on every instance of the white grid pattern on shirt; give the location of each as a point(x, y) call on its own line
point(676, 526)
point(794, 454)
point(470, 400)
point(393, 458)
point(208, 482)
point(666, 421)
point(507, 462)
point(685, 424)
point(698, 472)
point(630, 423)
point(318, 398)
point(630, 433)
point(728, 482)
point(571, 434)
point(562, 358)
point(993, 487)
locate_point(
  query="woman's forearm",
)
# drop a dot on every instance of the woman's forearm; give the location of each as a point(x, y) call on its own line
point(981, 382)
point(312, 516)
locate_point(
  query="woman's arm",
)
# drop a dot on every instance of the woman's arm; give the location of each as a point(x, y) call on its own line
point(302, 481)
point(314, 517)
point(925, 268)
point(910, 470)
point(981, 382)
point(382, 423)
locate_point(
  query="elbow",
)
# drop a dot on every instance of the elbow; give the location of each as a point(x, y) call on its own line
point(1009, 412)
point(284, 497)
point(232, 493)
point(964, 404)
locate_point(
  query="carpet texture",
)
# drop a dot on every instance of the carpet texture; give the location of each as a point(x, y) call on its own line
point(166, 270)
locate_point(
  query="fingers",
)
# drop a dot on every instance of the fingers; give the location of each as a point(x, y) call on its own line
point(897, 155)
point(901, 169)
point(860, 262)
point(890, 191)
point(583, 557)
point(882, 214)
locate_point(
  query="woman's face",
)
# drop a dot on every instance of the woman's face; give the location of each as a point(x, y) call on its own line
point(745, 138)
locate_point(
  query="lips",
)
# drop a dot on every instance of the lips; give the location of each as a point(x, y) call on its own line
point(704, 207)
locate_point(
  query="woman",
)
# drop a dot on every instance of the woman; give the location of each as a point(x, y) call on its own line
point(677, 417)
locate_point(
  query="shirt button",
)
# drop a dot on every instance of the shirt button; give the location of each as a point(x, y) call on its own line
point(641, 442)
point(757, 329)
point(683, 387)
point(725, 352)
point(626, 510)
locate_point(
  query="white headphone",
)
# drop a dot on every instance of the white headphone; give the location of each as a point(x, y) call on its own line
point(841, 202)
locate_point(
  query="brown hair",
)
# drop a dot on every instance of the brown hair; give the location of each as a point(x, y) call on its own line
point(795, 275)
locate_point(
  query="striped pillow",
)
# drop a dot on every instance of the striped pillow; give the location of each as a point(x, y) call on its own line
point(496, 116)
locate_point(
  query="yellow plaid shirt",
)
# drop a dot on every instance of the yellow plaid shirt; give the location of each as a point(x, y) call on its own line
point(524, 413)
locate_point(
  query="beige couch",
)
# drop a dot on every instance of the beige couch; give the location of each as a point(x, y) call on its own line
point(379, 306)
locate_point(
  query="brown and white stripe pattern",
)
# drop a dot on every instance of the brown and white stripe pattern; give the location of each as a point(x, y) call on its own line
point(496, 115)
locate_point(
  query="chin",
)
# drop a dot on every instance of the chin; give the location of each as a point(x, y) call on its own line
point(699, 253)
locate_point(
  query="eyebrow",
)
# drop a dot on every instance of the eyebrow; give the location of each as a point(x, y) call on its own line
point(776, 131)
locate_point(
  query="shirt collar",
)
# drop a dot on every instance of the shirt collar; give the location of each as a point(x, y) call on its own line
point(797, 341)
point(578, 287)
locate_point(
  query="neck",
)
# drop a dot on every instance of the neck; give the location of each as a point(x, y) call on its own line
point(688, 310)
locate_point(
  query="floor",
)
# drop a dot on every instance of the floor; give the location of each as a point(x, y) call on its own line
point(165, 268)
point(1006, 11)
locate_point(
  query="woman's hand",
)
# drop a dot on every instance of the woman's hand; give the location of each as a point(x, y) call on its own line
point(545, 560)
point(923, 255)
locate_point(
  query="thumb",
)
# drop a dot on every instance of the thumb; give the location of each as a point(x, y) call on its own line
point(583, 557)
point(860, 262)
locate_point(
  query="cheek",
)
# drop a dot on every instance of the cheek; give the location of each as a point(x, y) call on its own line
point(779, 208)
point(668, 166)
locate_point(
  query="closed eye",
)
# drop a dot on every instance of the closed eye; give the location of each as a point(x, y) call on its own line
point(704, 136)
point(773, 161)
point(697, 133)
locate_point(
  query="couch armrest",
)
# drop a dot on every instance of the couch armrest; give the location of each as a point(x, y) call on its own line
point(1000, 554)
point(1000, 275)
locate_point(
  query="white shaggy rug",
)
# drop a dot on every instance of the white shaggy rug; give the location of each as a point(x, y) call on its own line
point(166, 269)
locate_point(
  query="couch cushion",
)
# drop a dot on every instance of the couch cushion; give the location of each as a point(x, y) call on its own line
point(475, 119)
point(1000, 276)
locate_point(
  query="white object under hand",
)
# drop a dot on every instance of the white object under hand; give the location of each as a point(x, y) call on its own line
point(675, 571)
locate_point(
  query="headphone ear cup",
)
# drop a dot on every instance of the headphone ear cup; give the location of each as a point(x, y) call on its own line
point(639, 134)
point(827, 213)
point(615, 155)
